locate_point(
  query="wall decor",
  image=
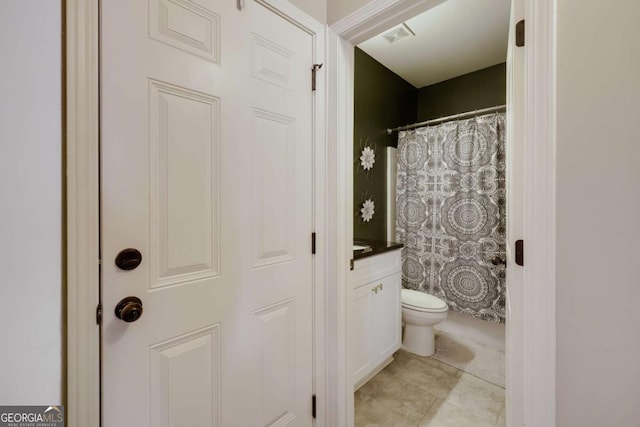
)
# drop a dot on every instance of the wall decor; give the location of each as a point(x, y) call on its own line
point(367, 158)
point(368, 209)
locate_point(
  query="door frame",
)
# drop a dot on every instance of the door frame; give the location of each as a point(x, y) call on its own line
point(531, 396)
point(81, 93)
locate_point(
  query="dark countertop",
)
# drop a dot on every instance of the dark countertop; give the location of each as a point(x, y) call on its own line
point(377, 247)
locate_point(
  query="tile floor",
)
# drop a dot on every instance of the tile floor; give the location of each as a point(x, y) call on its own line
point(475, 359)
point(416, 391)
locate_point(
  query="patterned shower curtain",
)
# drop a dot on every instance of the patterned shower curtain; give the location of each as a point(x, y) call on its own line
point(451, 213)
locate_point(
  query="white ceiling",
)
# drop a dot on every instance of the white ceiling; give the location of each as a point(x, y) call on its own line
point(454, 38)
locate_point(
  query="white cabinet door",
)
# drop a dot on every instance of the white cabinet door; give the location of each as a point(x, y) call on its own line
point(362, 345)
point(386, 312)
point(206, 166)
point(376, 325)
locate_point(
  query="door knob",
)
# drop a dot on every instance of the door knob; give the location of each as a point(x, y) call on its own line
point(496, 260)
point(128, 259)
point(129, 309)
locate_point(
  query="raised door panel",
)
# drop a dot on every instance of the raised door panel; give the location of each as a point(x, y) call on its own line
point(273, 63)
point(274, 365)
point(184, 182)
point(274, 178)
point(185, 380)
point(192, 26)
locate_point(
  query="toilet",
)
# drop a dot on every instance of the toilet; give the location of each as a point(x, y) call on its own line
point(420, 312)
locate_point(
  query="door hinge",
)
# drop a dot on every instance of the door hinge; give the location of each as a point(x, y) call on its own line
point(313, 243)
point(314, 71)
point(313, 406)
point(520, 33)
point(351, 264)
point(99, 314)
point(520, 252)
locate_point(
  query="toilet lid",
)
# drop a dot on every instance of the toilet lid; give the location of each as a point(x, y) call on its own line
point(420, 301)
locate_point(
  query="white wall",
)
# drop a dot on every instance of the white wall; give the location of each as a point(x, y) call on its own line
point(30, 202)
point(598, 172)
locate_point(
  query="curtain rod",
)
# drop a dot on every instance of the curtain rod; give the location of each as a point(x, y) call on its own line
point(448, 118)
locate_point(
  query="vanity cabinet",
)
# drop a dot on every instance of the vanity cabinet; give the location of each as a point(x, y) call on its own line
point(376, 314)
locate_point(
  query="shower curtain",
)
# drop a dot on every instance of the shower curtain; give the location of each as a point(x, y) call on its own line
point(450, 213)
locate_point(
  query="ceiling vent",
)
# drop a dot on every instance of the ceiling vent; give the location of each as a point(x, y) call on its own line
point(400, 32)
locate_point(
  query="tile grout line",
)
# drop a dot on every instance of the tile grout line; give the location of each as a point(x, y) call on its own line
point(468, 373)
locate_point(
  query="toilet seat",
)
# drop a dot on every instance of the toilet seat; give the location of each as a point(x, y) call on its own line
point(420, 301)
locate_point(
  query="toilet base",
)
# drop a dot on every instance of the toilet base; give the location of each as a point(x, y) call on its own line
point(419, 340)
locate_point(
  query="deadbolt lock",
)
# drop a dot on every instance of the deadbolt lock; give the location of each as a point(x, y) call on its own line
point(128, 259)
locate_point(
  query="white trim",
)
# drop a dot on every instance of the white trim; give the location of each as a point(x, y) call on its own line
point(538, 326)
point(539, 287)
point(82, 74)
point(82, 189)
point(340, 232)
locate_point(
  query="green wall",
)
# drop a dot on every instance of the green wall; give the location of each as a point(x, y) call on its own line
point(382, 100)
point(480, 89)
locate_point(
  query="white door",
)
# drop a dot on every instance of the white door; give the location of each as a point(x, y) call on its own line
point(206, 138)
point(516, 190)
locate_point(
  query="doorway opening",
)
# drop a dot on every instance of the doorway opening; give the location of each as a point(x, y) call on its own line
point(430, 173)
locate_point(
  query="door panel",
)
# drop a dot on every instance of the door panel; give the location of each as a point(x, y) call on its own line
point(206, 169)
point(192, 26)
point(184, 185)
point(274, 392)
point(186, 368)
point(273, 174)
